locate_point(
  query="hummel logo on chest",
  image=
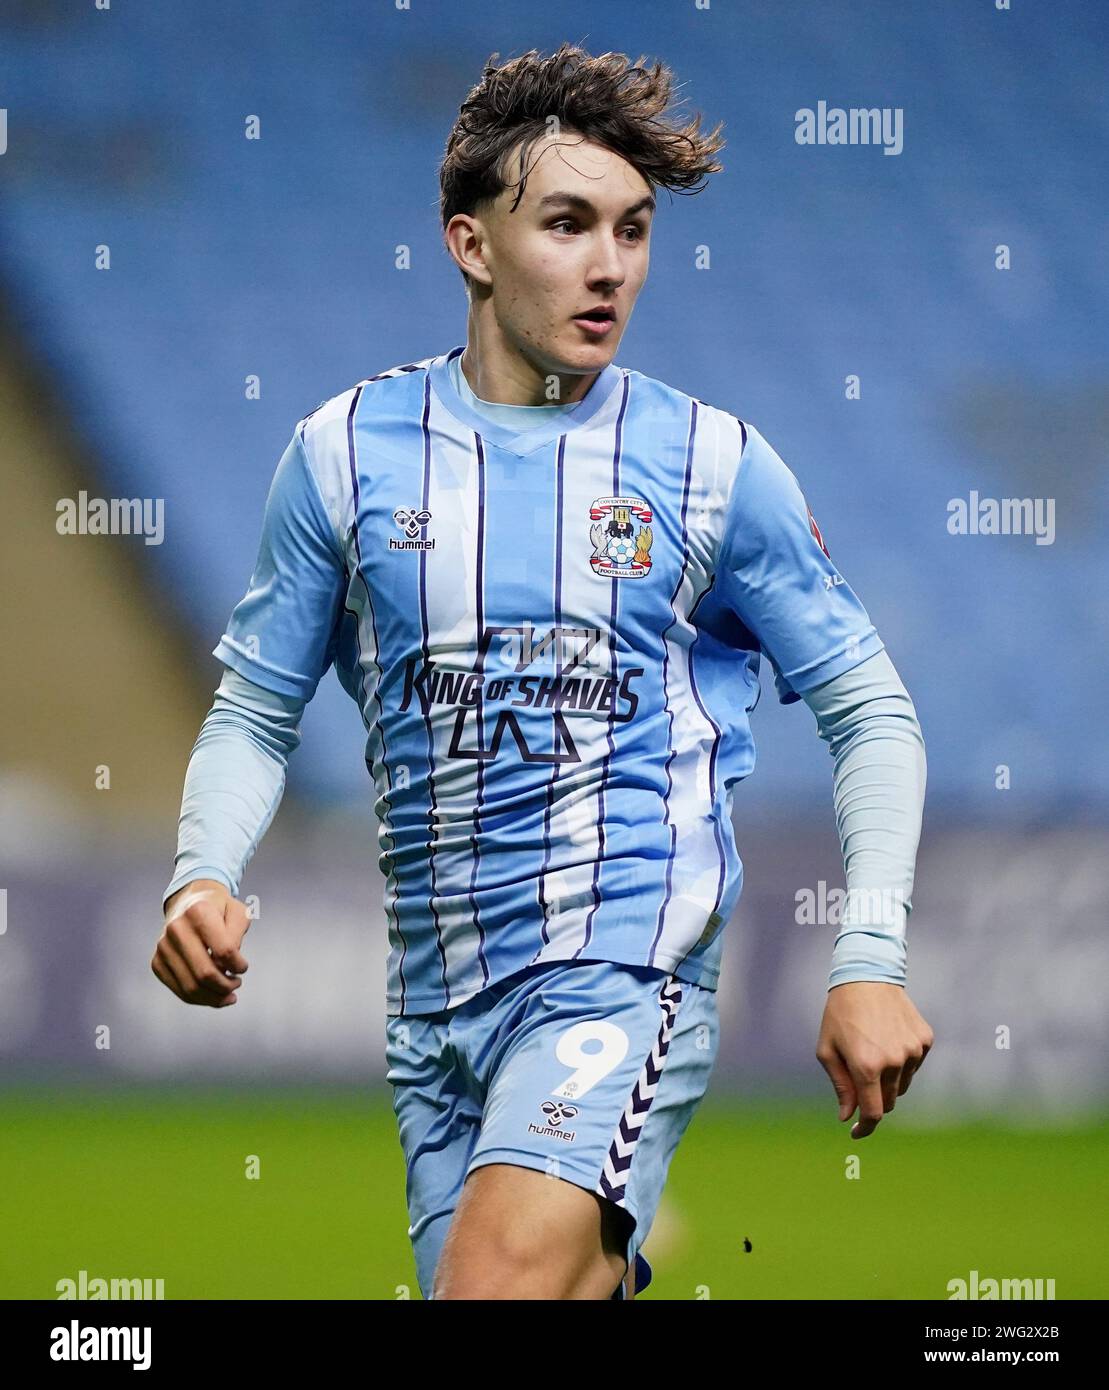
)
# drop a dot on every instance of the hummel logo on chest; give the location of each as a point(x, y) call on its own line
point(412, 523)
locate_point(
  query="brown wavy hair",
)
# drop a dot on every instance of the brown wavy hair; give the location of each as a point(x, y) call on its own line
point(622, 105)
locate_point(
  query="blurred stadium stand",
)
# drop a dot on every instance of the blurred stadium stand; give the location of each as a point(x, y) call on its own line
point(276, 257)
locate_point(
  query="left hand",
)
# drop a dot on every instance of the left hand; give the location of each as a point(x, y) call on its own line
point(872, 1042)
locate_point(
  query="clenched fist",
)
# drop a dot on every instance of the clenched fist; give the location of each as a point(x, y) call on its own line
point(198, 955)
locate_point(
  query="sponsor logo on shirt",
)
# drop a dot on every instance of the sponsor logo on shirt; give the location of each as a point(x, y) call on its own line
point(564, 670)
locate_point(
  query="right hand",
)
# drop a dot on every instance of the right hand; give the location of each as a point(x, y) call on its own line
point(199, 945)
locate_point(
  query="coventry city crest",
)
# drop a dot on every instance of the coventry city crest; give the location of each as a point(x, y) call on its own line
point(622, 537)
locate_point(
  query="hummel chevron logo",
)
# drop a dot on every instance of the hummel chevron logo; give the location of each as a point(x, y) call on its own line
point(555, 1112)
point(411, 522)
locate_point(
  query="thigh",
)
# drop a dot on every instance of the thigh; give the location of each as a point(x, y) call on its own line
point(598, 1071)
point(438, 1120)
point(521, 1234)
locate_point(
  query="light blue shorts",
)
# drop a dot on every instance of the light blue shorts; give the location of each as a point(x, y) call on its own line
point(587, 1070)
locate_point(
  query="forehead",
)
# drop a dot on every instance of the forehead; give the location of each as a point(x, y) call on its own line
point(572, 163)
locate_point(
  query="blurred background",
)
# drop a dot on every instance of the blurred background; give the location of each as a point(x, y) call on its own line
point(203, 214)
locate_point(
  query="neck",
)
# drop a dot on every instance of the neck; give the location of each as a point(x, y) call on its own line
point(500, 375)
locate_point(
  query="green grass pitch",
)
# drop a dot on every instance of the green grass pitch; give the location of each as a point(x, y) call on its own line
point(152, 1183)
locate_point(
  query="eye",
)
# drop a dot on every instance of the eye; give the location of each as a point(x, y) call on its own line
point(565, 222)
point(638, 233)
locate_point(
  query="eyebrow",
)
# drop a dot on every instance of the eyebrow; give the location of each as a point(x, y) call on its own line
point(575, 200)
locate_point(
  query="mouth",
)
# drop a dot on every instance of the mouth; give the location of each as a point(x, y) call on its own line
point(597, 322)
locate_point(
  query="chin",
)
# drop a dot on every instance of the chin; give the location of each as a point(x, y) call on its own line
point(592, 357)
point(578, 359)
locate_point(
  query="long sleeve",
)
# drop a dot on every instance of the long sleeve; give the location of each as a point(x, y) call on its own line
point(869, 722)
point(235, 781)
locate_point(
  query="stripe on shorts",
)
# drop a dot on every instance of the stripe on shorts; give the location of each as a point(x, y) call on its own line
point(613, 1183)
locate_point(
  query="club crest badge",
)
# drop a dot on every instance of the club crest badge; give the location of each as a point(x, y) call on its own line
point(621, 533)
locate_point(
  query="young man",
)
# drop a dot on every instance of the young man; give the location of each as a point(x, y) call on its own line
point(547, 581)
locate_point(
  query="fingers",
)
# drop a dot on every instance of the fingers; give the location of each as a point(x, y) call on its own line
point(187, 956)
point(911, 1067)
point(868, 1084)
point(873, 1041)
point(837, 1070)
point(879, 1086)
point(874, 1090)
point(222, 935)
point(914, 1061)
point(164, 974)
point(192, 951)
point(195, 984)
point(173, 971)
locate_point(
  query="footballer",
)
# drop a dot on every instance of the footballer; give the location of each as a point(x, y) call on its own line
point(547, 582)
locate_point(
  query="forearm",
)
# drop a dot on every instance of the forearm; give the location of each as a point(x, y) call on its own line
point(880, 772)
point(234, 783)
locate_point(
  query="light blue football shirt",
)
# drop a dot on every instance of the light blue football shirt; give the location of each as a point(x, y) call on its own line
point(553, 636)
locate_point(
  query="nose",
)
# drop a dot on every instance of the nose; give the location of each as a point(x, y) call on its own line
point(607, 269)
